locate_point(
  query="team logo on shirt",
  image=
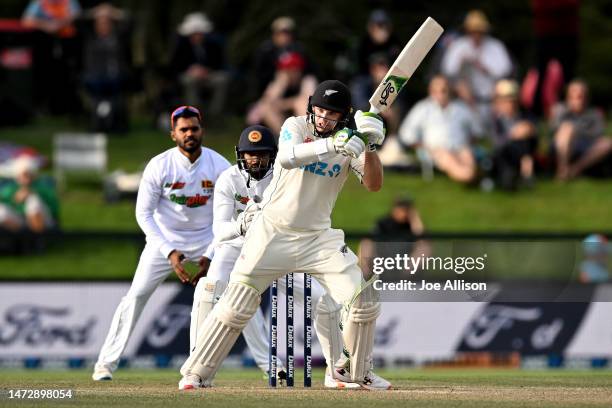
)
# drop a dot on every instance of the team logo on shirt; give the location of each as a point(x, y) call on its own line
point(308, 139)
point(190, 201)
point(254, 136)
point(177, 185)
point(322, 169)
point(208, 187)
point(241, 199)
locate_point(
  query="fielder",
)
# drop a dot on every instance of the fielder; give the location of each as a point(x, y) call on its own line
point(237, 191)
point(292, 233)
point(174, 208)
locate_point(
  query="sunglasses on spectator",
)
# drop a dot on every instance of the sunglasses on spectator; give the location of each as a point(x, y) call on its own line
point(181, 109)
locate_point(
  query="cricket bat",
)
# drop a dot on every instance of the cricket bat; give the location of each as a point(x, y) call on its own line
point(404, 66)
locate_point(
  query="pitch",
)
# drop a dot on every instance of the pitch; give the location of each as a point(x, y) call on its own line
point(247, 388)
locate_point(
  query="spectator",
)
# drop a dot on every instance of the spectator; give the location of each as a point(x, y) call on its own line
point(515, 139)
point(56, 52)
point(266, 57)
point(107, 67)
point(27, 202)
point(397, 233)
point(578, 133)
point(362, 88)
point(379, 39)
point(556, 28)
point(198, 60)
point(443, 128)
point(286, 96)
point(594, 266)
point(475, 62)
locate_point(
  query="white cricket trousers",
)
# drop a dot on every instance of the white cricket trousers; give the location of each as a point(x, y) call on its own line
point(271, 251)
point(256, 331)
point(153, 268)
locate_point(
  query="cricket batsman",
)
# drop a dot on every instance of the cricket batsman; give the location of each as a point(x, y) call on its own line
point(237, 192)
point(293, 233)
point(174, 209)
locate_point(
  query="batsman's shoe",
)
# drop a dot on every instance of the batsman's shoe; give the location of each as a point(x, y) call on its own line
point(371, 381)
point(331, 382)
point(190, 382)
point(102, 372)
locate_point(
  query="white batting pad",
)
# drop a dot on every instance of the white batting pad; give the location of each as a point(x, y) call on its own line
point(327, 324)
point(206, 295)
point(359, 330)
point(221, 329)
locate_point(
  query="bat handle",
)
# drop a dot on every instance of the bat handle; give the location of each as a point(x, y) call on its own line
point(373, 109)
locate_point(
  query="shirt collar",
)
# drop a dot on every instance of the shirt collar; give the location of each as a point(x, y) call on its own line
point(184, 161)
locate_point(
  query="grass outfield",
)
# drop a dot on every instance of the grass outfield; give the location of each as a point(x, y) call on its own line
point(245, 388)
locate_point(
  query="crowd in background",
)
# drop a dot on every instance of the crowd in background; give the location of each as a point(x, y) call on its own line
point(479, 123)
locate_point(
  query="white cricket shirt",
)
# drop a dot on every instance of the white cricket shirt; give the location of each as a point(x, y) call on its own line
point(174, 207)
point(303, 198)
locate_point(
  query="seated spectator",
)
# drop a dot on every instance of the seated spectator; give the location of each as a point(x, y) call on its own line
point(107, 67)
point(56, 54)
point(26, 202)
point(515, 140)
point(444, 128)
point(286, 96)
point(395, 234)
point(475, 62)
point(198, 60)
point(282, 40)
point(578, 133)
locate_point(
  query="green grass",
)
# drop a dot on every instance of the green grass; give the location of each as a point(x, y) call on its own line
point(246, 388)
point(444, 205)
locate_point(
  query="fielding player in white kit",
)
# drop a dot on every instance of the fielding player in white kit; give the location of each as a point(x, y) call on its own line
point(175, 210)
point(293, 234)
point(240, 188)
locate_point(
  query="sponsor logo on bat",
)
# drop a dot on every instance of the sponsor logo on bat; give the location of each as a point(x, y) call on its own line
point(392, 85)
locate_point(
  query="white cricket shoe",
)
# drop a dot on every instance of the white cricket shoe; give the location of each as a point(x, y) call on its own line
point(190, 382)
point(331, 382)
point(371, 381)
point(102, 372)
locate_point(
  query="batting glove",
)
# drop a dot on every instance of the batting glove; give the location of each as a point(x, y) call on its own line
point(340, 138)
point(371, 125)
point(356, 145)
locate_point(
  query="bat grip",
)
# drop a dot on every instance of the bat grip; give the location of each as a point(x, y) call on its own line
point(373, 109)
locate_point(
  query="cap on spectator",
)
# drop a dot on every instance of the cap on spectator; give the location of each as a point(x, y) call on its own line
point(25, 164)
point(476, 21)
point(283, 24)
point(379, 16)
point(290, 60)
point(194, 23)
point(506, 88)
